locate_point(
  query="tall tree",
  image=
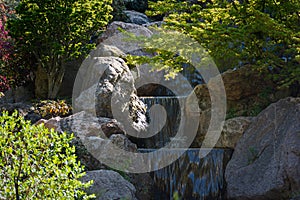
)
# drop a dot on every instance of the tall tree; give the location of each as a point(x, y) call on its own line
point(263, 33)
point(56, 31)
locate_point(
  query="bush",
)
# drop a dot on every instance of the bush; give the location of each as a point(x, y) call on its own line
point(52, 108)
point(3, 84)
point(62, 31)
point(36, 163)
point(12, 62)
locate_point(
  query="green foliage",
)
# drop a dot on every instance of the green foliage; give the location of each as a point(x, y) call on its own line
point(56, 31)
point(52, 108)
point(176, 196)
point(36, 163)
point(11, 64)
point(236, 32)
point(169, 50)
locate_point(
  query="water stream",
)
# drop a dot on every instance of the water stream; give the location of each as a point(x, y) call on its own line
point(170, 126)
point(192, 176)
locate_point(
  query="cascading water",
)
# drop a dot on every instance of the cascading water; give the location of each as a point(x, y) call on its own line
point(170, 126)
point(192, 176)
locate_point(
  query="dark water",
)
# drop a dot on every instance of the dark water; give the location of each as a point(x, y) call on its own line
point(174, 112)
point(192, 176)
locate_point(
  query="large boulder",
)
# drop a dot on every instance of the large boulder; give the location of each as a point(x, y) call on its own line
point(112, 43)
point(137, 17)
point(114, 90)
point(17, 95)
point(85, 126)
point(112, 36)
point(266, 160)
point(247, 92)
point(108, 185)
point(105, 50)
point(93, 135)
point(233, 130)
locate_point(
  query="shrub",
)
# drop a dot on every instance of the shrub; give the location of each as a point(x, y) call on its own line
point(52, 108)
point(12, 62)
point(36, 163)
point(53, 32)
point(3, 84)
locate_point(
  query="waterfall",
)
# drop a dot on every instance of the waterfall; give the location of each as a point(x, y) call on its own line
point(192, 176)
point(169, 129)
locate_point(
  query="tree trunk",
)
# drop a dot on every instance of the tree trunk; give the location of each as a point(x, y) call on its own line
point(41, 83)
point(54, 82)
point(47, 84)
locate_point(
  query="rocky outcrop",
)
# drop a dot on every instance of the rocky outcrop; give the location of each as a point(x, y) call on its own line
point(25, 110)
point(247, 92)
point(136, 17)
point(104, 50)
point(53, 123)
point(266, 160)
point(17, 95)
point(114, 90)
point(103, 131)
point(108, 185)
point(233, 130)
point(118, 39)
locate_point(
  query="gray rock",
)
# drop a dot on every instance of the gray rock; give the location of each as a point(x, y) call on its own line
point(137, 17)
point(17, 95)
point(108, 185)
point(104, 50)
point(233, 130)
point(154, 24)
point(114, 93)
point(266, 160)
point(113, 37)
point(247, 92)
point(24, 109)
point(94, 137)
point(53, 123)
point(123, 142)
point(91, 134)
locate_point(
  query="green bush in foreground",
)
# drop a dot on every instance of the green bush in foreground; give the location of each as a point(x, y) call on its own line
point(36, 163)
